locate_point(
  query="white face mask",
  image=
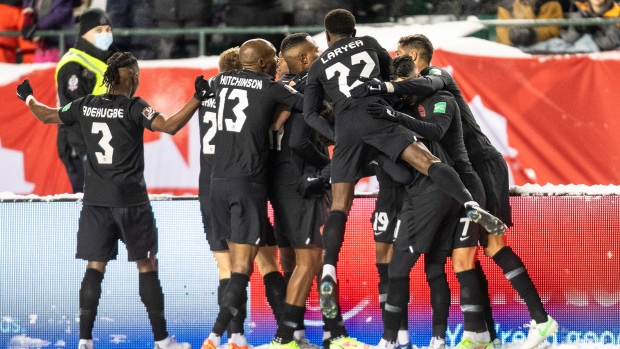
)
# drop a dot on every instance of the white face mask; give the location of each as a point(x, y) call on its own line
point(102, 41)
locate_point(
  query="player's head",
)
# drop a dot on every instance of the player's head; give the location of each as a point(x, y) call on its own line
point(229, 60)
point(122, 74)
point(417, 46)
point(299, 50)
point(339, 23)
point(96, 28)
point(402, 68)
point(281, 66)
point(258, 55)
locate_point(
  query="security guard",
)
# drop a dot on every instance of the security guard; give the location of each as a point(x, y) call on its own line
point(79, 73)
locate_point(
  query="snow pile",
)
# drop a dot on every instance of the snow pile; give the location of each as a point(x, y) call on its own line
point(565, 190)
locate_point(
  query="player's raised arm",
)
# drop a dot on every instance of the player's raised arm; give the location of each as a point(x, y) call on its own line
point(44, 113)
point(313, 102)
point(172, 124)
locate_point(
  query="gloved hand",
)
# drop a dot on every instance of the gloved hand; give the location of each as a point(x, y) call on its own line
point(202, 88)
point(380, 111)
point(311, 184)
point(369, 88)
point(24, 90)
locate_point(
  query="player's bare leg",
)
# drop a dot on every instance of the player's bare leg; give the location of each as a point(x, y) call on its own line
point(333, 237)
point(446, 178)
point(287, 261)
point(542, 325)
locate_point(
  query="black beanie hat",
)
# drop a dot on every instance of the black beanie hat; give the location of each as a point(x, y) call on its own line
point(93, 17)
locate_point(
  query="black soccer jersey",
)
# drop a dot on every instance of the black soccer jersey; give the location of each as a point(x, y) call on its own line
point(208, 131)
point(341, 67)
point(441, 122)
point(479, 148)
point(113, 127)
point(294, 151)
point(245, 103)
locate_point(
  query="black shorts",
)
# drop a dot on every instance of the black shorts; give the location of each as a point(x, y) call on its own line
point(238, 210)
point(387, 206)
point(299, 221)
point(496, 182)
point(358, 134)
point(467, 233)
point(427, 222)
point(101, 227)
point(214, 245)
point(270, 237)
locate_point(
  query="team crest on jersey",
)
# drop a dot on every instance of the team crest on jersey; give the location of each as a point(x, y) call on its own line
point(421, 110)
point(73, 83)
point(148, 112)
point(440, 107)
point(434, 71)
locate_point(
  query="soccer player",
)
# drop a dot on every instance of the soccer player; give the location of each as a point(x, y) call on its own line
point(490, 166)
point(238, 202)
point(267, 256)
point(116, 205)
point(298, 213)
point(79, 73)
point(438, 119)
point(347, 60)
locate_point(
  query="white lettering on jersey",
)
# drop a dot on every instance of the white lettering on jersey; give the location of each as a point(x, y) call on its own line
point(242, 82)
point(341, 49)
point(103, 112)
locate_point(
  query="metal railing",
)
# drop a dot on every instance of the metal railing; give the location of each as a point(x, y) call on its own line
point(204, 31)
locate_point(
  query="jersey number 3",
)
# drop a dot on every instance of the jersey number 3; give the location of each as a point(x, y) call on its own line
point(240, 117)
point(104, 143)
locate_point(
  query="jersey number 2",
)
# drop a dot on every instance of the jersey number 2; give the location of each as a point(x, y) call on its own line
point(343, 71)
point(104, 143)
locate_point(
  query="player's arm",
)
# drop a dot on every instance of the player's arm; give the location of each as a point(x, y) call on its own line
point(301, 142)
point(42, 112)
point(422, 86)
point(428, 130)
point(172, 124)
point(281, 113)
point(313, 102)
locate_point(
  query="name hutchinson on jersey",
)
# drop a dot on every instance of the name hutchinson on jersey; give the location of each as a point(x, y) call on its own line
point(102, 112)
point(335, 52)
point(241, 82)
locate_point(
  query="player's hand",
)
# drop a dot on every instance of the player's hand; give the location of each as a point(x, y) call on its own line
point(380, 111)
point(24, 90)
point(202, 88)
point(310, 185)
point(369, 88)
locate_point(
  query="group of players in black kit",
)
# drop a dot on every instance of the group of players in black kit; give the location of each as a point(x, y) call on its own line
point(435, 167)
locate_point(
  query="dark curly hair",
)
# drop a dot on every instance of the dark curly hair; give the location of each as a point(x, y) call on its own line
point(401, 67)
point(111, 77)
point(340, 22)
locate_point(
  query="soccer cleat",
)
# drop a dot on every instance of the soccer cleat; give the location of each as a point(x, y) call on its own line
point(488, 221)
point(328, 297)
point(88, 345)
point(437, 343)
point(304, 343)
point(208, 344)
point(539, 332)
point(347, 343)
point(407, 345)
point(468, 343)
point(235, 346)
point(290, 345)
point(497, 344)
point(175, 345)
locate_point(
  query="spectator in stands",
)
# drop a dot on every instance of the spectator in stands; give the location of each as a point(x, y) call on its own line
point(181, 14)
point(10, 20)
point(133, 14)
point(528, 9)
point(48, 15)
point(606, 37)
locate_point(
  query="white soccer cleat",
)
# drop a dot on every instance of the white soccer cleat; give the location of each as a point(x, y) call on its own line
point(437, 343)
point(304, 343)
point(168, 343)
point(86, 344)
point(539, 332)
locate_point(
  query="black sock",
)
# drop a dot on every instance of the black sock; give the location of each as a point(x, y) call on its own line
point(473, 312)
point(234, 297)
point(275, 290)
point(292, 315)
point(384, 282)
point(395, 306)
point(90, 292)
point(221, 288)
point(435, 270)
point(301, 326)
point(513, 268)
point(486, 300)
point(152, 296)
point(446, 179)
point(333, 236)
point(236, 324)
